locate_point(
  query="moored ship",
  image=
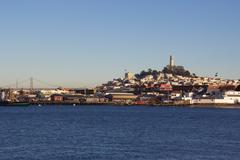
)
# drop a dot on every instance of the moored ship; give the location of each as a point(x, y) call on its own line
point(7, 100)
point(8, 103)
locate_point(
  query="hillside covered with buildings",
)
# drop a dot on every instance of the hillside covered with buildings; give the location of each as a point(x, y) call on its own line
point(172, 85)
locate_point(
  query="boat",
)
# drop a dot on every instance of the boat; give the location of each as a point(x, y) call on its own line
point(8, 103)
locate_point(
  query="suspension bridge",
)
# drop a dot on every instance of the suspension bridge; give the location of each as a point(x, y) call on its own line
point(31, 84)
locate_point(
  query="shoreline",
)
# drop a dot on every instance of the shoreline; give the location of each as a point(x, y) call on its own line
point(186, 105)
point(130, 105)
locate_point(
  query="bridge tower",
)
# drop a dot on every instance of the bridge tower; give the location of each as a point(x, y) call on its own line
point(31, 84)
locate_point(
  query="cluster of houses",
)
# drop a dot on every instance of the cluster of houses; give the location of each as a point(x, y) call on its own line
point(168, 88)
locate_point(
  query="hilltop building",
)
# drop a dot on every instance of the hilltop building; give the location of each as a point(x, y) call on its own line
point(171, 63)
point(129, 76)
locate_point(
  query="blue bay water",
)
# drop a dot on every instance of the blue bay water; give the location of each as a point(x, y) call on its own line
point(119, 133)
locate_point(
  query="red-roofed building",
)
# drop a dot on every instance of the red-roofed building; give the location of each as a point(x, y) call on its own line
point(166, 87)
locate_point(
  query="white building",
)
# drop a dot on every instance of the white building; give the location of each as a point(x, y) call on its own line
point(212, 101)
point(54, 91)
point(232, 95)
point(129, 76)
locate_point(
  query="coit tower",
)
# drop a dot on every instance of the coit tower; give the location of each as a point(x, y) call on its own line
point(171, 62)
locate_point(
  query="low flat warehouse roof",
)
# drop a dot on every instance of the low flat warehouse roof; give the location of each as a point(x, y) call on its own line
point(124, 96)
point(119, 93)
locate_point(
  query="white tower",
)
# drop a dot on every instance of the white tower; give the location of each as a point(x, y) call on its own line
point(171, 62)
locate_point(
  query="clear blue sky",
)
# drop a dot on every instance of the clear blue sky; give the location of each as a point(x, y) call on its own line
point(77, 43)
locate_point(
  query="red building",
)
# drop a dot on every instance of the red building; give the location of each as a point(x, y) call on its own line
point(166, 87)
point(57, 98)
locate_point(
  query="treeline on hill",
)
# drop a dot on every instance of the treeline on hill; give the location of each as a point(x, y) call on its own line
point(176, 70)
